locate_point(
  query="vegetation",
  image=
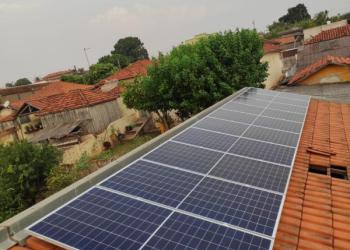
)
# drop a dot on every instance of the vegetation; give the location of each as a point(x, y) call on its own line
point(24, 168)
point(298, 17)
point(19, 82)
point(193, 77)
point(127, 50)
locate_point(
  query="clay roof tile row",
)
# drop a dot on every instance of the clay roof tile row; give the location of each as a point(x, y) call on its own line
point(330, 34)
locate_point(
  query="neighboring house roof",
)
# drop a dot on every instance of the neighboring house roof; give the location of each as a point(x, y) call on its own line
point(317, 66)
point(271, 46)
point(284, 39)
point(316, 211)
point(8, 118)
point(57, 74)
point(73, 99)
point(138, 68)
point(330, 34)
point(22, 89)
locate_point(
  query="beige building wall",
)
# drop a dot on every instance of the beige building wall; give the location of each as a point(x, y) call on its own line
point(274, 69)
point(311, 32)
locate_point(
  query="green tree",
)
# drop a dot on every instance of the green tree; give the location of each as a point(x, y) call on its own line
point(193, 77)
point(22, 81)
point(132, 48)
point(295, 14)
point(24, 168)
point(99, 71)
point(117, 60)
point(9, 85)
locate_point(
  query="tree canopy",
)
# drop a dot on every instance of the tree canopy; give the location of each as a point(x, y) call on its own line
point(295, 14)
point(119, 61)
point(24, 168)
point(130, 47)
point(193, 77)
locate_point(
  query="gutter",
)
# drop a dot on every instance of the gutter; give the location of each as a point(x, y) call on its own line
point(12, 230)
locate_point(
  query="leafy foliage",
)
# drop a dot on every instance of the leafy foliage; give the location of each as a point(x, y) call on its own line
point(24, 168)
point(117, 60)
point(130, 47)
point(96, 73)
point(193, 77)
point(295, 14)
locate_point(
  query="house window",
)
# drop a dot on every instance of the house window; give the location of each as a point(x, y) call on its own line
point(339, 172)
point(318, 170)
point(24, 119)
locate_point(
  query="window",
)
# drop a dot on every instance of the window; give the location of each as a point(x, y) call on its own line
point(339, 172)
point(318, 169)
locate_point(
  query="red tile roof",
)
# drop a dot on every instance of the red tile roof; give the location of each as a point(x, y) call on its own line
point(270, 46)
point(8, 118)
point(316, 213)
point(22, 89)
point(73, 99)
point(330, 34)
point(56, 75)
point(318, 65)
point(138, 68)
point(284, 39)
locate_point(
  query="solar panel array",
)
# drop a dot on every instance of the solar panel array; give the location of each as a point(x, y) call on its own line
point(219, 184)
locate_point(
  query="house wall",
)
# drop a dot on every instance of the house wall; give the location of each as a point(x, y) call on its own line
point(330, 74)
point(96, 117)
point(311, 32)
point(275, 69)
point(311, 53)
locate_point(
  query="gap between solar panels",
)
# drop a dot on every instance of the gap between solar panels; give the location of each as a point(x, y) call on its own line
point(218, 184)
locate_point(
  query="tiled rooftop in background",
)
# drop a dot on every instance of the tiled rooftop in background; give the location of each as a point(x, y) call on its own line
point(330, 34)
point(316, 213)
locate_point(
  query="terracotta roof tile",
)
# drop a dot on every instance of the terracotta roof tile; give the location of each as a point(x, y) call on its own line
point(330, 34)
point(316, 210)
point(284, 39)
point(138, 68)
point(57, 74)
point(271, 46)
point(318, 65)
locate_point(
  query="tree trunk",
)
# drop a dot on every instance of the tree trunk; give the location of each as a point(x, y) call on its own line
point(163, 120)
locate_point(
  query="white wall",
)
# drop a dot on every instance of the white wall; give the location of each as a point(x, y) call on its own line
point(274, 69)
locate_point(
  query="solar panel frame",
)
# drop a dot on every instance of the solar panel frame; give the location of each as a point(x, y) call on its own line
point(208, 115)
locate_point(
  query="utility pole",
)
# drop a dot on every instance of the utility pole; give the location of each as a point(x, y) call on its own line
point(86, 56)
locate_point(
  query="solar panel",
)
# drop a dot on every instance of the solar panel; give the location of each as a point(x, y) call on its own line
point(206, 139)
point(154, 182)
point(238, 205)
point(183, 156)
point(228, 127)
point(186, 232)
point(219, 184)
point(252, 172)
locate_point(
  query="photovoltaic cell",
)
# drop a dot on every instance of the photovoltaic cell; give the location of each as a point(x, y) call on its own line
point(236, 106)
point(264, 151)
point(102, 220)
point(154, 182)
point(283, 115)
point(258, 96)
point(269, 135)
point(186, 232)
point(213, 124)
point(301, 103)
point(263, 91)
point(183, 156)
point(285, 107)
point(237, 205)
point(256, 173)
point(233, 116)
point(206, 139)
point(252, 101)
point(279, 124)
point(294, 96)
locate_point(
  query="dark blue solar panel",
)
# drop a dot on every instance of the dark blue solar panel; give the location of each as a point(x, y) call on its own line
point(283, 115)
point(252, 172)
point(183, 156)
point(154, 182)
point(289, 108)
point(284, 100)
point(243, 108)
point(279, 124)
point(269, 135)
point(206, 139)
point(228, 127)
point(294, 96)
point(258, 96)
point(263, 92)
point(102, 220)
point(252, 101)
point(264, 151)
point(186, 232)
point(233, 116)
point(238, 205)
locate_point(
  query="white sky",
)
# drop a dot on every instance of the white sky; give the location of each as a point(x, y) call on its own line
point(41, 36)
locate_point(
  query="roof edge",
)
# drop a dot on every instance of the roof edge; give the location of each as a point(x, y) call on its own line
point(11, 230)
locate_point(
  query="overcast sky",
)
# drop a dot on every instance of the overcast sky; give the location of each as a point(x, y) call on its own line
point(41, 36)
